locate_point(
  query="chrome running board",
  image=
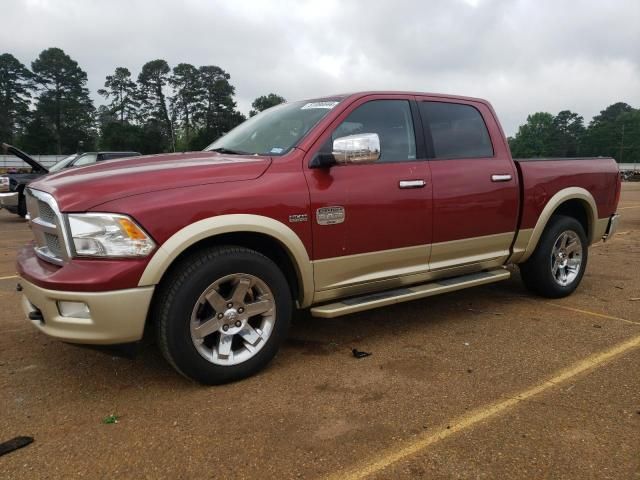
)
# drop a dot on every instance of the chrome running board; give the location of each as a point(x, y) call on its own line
point(406, 294)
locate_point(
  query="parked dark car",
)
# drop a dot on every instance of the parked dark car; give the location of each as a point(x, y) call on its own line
point(12, 184)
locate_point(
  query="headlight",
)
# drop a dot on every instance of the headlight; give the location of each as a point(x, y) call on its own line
point(108, 235)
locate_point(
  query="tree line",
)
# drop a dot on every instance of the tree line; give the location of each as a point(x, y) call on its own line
point(614, 132)
point(48, 110)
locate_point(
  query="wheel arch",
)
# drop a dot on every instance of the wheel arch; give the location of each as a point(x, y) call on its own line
point(263, 234)
point(575, 202)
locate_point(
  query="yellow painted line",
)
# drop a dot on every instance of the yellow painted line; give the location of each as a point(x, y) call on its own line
point(9, 277)
point(626, 208)
point(594, 314)
point(384, 459)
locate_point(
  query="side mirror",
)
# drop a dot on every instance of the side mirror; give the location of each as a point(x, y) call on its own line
point(357, 149)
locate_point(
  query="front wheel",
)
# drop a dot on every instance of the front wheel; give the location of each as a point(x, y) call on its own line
point(558, 263)
point(223, 314)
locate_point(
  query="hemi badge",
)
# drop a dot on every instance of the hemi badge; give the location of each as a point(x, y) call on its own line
point(300, 217)
point(330, 215)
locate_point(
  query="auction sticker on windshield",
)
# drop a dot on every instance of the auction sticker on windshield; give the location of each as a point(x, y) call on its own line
point(328, 105)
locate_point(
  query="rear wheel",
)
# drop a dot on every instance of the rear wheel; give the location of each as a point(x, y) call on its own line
point(557, 265)
point(223, 314)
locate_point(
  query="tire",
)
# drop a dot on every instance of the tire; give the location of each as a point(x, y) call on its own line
point(222, 314)
point(22, 205)
point(557, 265)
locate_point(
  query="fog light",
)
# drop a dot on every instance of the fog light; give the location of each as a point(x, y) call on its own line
point(74, 309)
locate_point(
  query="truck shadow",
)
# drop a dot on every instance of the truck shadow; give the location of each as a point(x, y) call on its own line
point(328, 340)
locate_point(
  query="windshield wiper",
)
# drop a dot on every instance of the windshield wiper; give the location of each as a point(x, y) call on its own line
point(230, 151)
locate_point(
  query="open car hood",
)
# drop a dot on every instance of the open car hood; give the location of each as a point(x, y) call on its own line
point(11, 150)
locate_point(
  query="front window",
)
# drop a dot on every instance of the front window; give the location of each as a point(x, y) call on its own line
point(276, 130)
point(64, 163)
point(85, 159)
point(391, 120)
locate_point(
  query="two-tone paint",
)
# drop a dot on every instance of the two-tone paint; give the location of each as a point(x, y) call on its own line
point(461, 221)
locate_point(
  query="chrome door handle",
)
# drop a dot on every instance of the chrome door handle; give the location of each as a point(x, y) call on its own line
point(500, 178)
point(412, 183)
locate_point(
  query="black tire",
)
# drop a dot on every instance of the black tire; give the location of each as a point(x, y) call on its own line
point(537, 272)
point(22, 205)
point(181, 292)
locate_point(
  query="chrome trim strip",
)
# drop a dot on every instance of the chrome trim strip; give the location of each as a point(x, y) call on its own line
point(42, 225)
point(46, 226)
point(612, 227)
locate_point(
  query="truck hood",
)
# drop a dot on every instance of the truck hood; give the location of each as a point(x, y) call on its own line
point(80, 189)
point(11, 150)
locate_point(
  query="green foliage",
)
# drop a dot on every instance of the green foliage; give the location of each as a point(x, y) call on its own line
point(111, 419)
point(15, 95)
point(568, 129)
point(265, 101)
point(152, 81)
point(219, 114)
point(48, 110)
point(615, 132)
point(534, 137)
point(122, 136)
point(38, 137)
point(187, 99)
point(123, 92)
point(63, 103)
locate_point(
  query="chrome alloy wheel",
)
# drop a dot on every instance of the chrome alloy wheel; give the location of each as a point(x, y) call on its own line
point(566, 258)
point(233, 319)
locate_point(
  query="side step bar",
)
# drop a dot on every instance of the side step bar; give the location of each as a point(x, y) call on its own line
point(399, 295)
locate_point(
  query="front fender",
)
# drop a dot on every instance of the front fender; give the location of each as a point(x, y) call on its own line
point(234, 223)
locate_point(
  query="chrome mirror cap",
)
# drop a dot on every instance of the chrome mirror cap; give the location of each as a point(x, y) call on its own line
point(357, 149)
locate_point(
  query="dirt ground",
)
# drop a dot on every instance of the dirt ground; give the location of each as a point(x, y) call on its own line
point(490, 382)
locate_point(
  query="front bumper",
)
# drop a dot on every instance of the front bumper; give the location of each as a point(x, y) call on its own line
point(115, 317)
point(9, 200)
point(612, 227)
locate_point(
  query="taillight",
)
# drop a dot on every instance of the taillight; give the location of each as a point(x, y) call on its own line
point(618, 190)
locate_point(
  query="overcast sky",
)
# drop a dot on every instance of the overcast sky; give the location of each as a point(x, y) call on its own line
point(523, 56)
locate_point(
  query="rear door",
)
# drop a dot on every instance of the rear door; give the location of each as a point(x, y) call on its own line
point(385, 231)
point(475, 188)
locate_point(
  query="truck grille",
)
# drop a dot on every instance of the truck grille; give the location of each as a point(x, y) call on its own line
point(47, 226)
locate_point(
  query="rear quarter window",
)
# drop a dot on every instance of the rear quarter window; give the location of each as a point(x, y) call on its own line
point(457, 130)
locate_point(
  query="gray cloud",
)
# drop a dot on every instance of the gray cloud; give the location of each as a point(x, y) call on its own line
point(523, 56)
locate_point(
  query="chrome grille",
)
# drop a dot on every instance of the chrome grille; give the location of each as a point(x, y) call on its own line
point(53, 244)
point(47, 226)
point(46, 212)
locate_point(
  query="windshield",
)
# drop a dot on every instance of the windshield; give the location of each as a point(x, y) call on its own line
point(276, 130)
point(65, 162)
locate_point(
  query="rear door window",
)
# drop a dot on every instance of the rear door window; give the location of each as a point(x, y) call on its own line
point(457, 130)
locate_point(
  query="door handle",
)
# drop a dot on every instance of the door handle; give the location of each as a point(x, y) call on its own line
point(412, 183)
point(500, 178)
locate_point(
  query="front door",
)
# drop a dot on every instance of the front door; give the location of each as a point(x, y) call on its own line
point(372, 222)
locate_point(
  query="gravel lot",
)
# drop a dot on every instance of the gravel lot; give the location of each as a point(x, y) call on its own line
point(484, 383)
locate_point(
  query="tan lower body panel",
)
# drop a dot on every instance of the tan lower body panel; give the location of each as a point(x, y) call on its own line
point(390, 297)
point(116, 316)
point(470, 250)
point(350, 275)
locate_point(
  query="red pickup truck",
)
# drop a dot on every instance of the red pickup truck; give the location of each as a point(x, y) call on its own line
point(337, 204)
